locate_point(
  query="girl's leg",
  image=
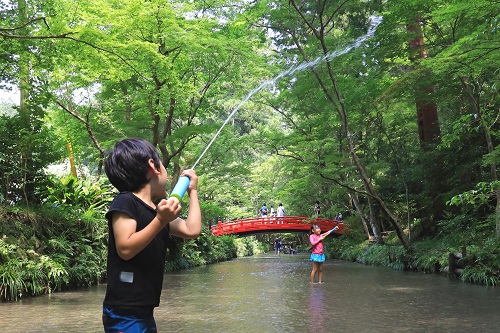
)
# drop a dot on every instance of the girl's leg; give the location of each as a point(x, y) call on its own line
point(314, 270)
point(320, 272)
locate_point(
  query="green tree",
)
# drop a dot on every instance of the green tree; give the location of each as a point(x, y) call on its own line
point(323, 24)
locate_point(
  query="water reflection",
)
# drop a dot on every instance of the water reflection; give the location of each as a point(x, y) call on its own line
point(270, 294)
point(317, 311)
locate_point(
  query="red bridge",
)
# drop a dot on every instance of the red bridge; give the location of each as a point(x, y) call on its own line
point(276, 224)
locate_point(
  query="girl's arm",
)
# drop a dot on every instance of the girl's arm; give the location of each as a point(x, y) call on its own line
point(315, 239)
point(323, 235)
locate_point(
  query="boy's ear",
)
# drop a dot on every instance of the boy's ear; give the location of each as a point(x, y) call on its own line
point(152, 167)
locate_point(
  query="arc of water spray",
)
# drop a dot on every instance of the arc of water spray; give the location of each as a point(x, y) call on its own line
point(375, 21)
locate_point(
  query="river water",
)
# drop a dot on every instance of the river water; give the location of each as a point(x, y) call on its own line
point(272, 294)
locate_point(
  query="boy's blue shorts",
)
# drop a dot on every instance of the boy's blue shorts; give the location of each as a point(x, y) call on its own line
point(128, 321)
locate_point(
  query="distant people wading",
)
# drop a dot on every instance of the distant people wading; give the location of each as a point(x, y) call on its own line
point(277, 246)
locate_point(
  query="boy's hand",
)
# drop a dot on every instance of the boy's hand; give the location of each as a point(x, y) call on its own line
point(168, 210)
point(193, 179)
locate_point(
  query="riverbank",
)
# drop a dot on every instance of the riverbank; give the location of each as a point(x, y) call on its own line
point(59, 249)
point(51, 250)
point(472, 262)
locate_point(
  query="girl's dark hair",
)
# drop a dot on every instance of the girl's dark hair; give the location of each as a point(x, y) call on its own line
point(314, 226)
point(127, 165)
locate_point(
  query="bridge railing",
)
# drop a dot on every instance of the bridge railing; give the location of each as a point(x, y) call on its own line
point(268, 224)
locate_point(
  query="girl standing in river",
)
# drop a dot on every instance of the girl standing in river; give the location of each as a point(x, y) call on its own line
point(317, 255)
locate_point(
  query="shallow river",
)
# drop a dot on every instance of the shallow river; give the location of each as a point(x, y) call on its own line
point(272, 294)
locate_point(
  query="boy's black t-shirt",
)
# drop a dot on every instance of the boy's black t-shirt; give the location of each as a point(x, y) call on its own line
point(136, 282)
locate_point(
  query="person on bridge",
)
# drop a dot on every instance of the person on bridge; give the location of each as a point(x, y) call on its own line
point(280, 212)
point(263, 210)
point(139, 234)
point(317, 255)
point(317, 209)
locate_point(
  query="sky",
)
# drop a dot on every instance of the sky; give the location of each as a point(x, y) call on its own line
point(9, 96)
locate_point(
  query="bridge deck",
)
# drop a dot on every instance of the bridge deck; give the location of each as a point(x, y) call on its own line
point(275, 224)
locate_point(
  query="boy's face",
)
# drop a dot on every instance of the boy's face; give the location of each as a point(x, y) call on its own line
point(161, 188)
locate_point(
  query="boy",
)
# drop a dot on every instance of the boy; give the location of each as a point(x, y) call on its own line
point(139, 232)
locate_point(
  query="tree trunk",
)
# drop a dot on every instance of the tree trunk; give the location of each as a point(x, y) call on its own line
point(24, 110)
point(71, 159)
point(367, 221)
point(374, 223)
point(427, 117)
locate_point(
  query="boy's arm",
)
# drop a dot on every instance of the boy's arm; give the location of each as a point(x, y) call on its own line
point(191, 227)
point(128, 241)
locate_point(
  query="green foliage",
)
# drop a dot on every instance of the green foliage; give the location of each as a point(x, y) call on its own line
point(12, 285)
point(481, 274)
point(345, 248)
point(85, 195)
point(482, 261)
point(211, 211)
point(178, 79)
point(479, 196)
point(462, 229)
point(63, 252)
point(29, 275)
point(431, 261)
point(247, 246)
point(206, 249)
point(21, 175)
point(393, 257)
point(485, 268)
point(430, 256)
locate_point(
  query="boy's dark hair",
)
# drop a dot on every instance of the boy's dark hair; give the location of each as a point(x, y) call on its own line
point(127, 165)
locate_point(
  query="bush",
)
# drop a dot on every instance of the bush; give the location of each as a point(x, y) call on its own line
point(206, 249)
point(47, 250)
point(481, 274)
